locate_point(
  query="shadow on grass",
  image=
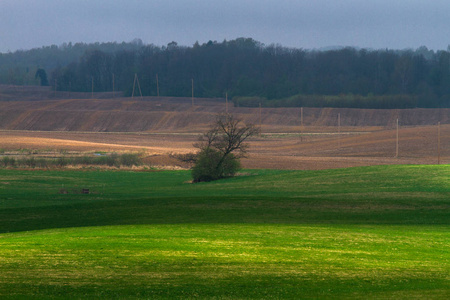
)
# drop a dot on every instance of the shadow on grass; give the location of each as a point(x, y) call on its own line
point(222, 211)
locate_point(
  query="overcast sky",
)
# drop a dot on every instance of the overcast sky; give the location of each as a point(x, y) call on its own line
point(308, 24)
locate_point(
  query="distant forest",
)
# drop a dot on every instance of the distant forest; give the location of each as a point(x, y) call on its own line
point(248, 71)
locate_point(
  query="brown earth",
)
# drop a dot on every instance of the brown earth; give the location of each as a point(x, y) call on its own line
point(417, 145)
point(163, 127)
point(165, 114)
point(34, 93)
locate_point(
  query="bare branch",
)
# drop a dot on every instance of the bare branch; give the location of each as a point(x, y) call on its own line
point(218, 147)
point(230, 134)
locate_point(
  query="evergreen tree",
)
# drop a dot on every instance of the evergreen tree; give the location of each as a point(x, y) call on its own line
point(42, 75)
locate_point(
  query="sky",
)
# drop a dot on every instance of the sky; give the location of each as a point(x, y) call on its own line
point(307, 24)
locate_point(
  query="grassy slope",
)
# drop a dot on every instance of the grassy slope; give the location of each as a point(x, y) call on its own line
point(376, 231)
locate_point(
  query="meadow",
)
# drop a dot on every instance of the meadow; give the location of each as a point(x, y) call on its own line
point(365, 232)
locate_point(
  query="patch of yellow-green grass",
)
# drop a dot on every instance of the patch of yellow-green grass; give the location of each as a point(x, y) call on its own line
point(372, 232)
point(228, 261)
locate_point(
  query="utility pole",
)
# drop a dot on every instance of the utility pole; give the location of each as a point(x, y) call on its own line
point(92, 88)
point(339, 130)
point(396, 146)
point(113, 85)
point(226, 102)
point(192, 92)
point(260, 120)
point(139, 86)
point(134, 85)
point(301, 120)
point(439, 143)
point(157, 85)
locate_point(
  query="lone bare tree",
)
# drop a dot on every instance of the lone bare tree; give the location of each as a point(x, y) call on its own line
point(221, 148)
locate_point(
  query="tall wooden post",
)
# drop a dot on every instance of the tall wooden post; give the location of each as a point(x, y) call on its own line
point(439, 143)
point(139, 86)
point(157, 85)
point(226, 102)
point(339, 130)
point(113, 85)
point(92, 88)
point(301, 120)
point(260, 120)
point(192, 80)
point(396, 146)
point(134, 85)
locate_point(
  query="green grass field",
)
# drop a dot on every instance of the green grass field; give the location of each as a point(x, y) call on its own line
point(370, 232)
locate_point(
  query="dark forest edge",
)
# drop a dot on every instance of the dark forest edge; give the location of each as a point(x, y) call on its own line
point(250, 72)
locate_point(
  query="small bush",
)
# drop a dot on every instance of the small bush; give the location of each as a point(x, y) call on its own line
point(42, 163)
point(209, 168)
point(113, 160)
point(8, 161)
point(110, 160)
point(130, 159)
point(62, 162)
point(187, 157)
point(84, 160)
point(29, 162)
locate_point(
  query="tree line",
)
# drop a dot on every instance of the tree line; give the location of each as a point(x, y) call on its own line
point(253, 73)
point(20, 67)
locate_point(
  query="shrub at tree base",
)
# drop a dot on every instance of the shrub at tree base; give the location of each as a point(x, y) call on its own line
point(216, 158)
point(212, 165)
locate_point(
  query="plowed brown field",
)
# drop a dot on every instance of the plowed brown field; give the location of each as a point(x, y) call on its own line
point(164, 126)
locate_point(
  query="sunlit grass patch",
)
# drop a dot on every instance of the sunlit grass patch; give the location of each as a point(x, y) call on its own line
point(375, 232)
point(293, 260)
